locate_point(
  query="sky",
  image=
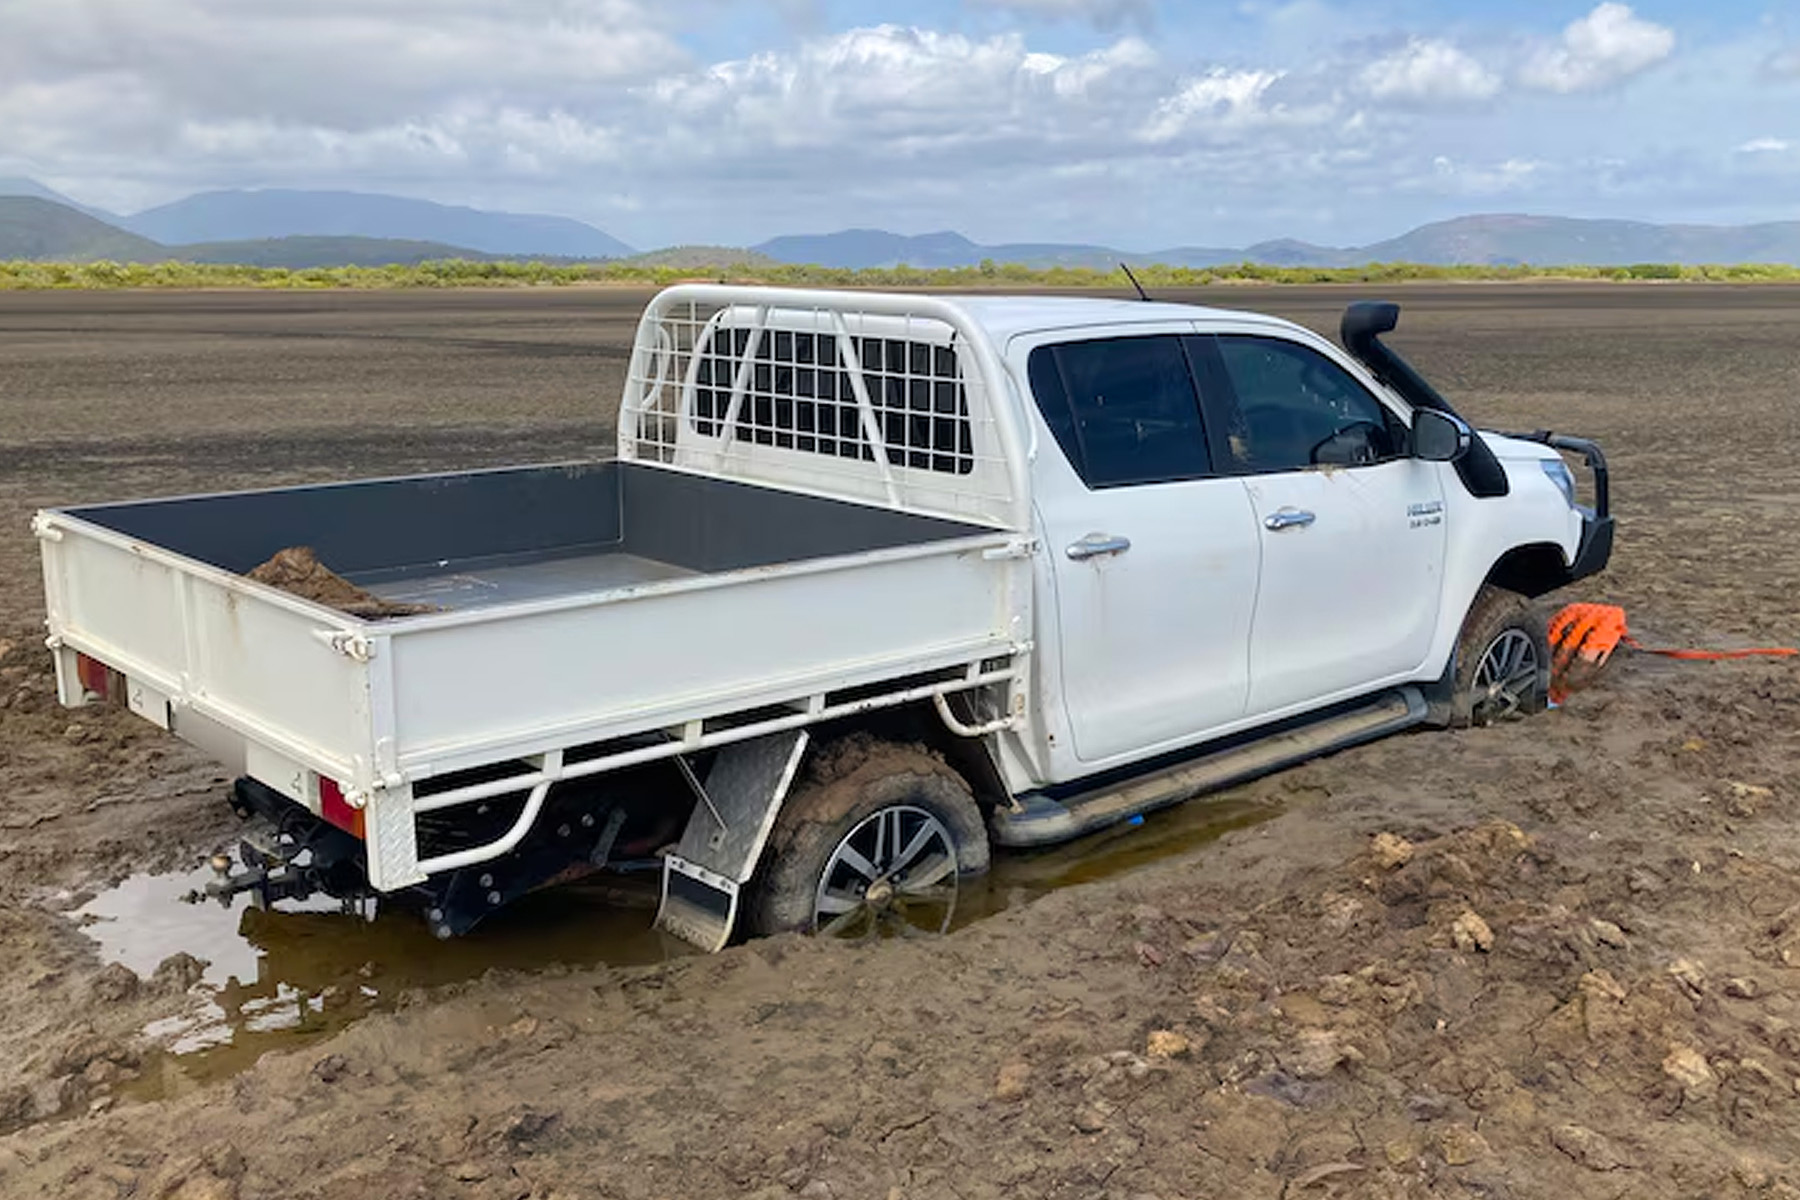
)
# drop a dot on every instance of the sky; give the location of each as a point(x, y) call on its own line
point(1140, 124)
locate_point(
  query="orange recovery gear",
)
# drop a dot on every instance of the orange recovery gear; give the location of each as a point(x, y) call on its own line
point(1583, 637)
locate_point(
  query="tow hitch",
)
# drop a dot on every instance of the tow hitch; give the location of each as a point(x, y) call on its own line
point(297, 855)
point(300, 858)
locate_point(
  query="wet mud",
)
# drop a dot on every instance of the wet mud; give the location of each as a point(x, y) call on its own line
point(284, 977)
point(1550, 958)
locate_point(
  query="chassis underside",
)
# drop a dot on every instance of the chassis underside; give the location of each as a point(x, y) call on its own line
point(290, 854)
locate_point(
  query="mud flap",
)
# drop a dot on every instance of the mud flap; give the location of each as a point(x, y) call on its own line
point(698, 906)
point(725, 835)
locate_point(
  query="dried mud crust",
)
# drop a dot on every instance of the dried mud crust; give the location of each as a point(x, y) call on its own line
point(90, 796)
point(298, 571)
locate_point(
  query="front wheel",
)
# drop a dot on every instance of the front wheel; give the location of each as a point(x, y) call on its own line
point(1502, 661)
point(876, 846)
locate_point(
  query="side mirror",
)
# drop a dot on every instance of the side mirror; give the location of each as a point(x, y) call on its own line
point(1440, 436)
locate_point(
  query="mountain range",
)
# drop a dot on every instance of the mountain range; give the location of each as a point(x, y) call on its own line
point(300, 229)
point(200, 227)
point(15, 186)
point(45, 231)
point(1484, 240)
point(865, 248)
point(275, 213)
point(35, 228)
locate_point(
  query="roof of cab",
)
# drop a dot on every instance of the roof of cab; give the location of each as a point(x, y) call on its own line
point(1005, 317)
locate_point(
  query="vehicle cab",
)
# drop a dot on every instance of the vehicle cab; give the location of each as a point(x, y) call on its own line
point(1236, 525)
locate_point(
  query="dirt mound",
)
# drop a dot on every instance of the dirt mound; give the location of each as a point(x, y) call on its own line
point(297, 570)
point(1435, 1027)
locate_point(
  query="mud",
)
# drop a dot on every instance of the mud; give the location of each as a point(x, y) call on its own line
point(1567, 969)
point(282, 979)
point(298, 571)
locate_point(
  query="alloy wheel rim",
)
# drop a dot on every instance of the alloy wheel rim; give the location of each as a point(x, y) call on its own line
point(1507, 676)
point(894, 874)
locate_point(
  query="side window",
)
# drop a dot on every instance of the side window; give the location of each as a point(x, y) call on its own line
point(1296, 409)
point(1123, 410)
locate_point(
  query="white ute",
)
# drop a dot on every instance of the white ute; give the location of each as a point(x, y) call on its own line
point(874, 581)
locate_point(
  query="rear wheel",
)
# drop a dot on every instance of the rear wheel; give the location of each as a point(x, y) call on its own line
point(1502, 660)
point(876, 846)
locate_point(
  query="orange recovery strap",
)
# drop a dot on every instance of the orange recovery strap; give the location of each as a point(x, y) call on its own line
point(1583, 637)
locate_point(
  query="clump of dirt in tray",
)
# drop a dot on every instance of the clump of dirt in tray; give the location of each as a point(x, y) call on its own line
point(297, 570)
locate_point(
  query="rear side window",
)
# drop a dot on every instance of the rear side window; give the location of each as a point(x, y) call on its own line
point(799, 397)
point(1124, 410)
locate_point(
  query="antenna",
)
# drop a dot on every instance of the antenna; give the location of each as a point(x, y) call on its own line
point(1142, 294)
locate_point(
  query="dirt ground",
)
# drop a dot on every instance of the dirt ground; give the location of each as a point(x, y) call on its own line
point(1568, 970)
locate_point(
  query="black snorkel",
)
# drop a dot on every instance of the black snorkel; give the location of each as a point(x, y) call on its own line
point(1363, 324)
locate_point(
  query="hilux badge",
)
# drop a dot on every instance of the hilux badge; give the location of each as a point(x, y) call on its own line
point(1429, 512)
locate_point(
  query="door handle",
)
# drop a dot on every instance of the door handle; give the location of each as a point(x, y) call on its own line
point(1289, 518)
point(1096, 544)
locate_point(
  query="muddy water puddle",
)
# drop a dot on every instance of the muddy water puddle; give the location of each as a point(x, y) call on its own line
point(278, 979)
point(1019, 878)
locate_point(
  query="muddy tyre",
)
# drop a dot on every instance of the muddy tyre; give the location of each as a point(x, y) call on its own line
point(875, 843)
point(1502, 669)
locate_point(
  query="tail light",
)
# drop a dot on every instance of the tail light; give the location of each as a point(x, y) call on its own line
point(334, 808)
point(95, 677)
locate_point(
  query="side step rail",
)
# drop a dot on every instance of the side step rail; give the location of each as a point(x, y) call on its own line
point(1042, 820)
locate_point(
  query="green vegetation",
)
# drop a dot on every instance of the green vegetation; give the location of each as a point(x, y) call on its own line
point(447, 273)
point(703, 258)
point(302, 253)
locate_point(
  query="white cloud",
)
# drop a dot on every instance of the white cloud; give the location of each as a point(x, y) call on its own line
point(1483, 179)
point(346, 64)
point(510, 141)
point(1607, 46)
point(1765, 145)
point(896, 91)
point(1106, 14)
point(1219, 103)
point(1426, 70)
point(1783, 64)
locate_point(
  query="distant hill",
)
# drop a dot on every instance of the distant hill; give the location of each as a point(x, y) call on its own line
point(31, 228)
point(42, 229)
point(300, 253)
point(701, 256)
point(16, 186)
point(323, 229)
point(1496, 240)
point(859, 249)
point(261, 215)
point(1287, 252)
point(1506, 239)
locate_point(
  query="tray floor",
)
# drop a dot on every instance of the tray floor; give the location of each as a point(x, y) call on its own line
point(461, 588)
